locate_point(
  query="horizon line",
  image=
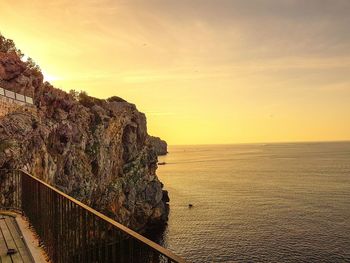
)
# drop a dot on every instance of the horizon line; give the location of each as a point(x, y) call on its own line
point(251, 143)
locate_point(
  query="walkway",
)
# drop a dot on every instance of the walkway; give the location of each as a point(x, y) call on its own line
point(12, 246)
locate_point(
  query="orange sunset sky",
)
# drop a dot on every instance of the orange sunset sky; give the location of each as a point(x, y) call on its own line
point(203, 71)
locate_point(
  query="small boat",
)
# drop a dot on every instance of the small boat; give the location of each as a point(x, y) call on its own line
point(190, 205)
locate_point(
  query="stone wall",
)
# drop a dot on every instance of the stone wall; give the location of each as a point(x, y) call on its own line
point(8, 105)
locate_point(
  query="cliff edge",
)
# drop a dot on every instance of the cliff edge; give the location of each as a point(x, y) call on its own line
point(160, 146)
point(92, 149)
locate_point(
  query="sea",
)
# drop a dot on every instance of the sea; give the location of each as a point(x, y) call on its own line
point(287, 202)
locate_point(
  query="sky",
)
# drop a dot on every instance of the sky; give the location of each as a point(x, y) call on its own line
point(203, 71)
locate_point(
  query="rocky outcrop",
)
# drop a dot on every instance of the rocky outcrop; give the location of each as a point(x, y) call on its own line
point(10, 66)
point(94, 150)
point(160, 146)
point(18, 76)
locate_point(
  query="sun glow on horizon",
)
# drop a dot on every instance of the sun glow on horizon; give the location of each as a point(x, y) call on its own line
point(203, 72)
point(50, 78)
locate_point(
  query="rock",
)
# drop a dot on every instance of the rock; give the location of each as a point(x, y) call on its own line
point(165, 197)
point(159, 145)
point(11, 66)
point(18, 76)
point(94, 150)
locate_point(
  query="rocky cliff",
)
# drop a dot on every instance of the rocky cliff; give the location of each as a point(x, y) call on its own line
point(160, 146)
point(94, 150)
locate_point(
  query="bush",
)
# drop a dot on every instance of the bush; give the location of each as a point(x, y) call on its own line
point(115, 99)
point(7, 46)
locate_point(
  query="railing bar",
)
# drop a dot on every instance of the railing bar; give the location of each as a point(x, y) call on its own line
point(93, 253)
point(61, 239)
point(74, 232)
point(56, 244)
point(83, 235)
point(49, 220)
point(114, 244)
point(65, 237)
point(69, 230)
point(99, 234)
point(44, 219)
point(62, 226)
point(64, 229)
point(86, 236)
point(62, 255)
point(52, 218)
point(131, 249)
point(121, 247)
point(66, 232)
point(80, 235)
point(17, 188)
point(77, 233)
point(105, 247)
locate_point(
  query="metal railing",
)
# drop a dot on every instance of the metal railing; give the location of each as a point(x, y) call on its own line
point(69, 230)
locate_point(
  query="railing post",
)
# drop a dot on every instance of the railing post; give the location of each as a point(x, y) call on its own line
point(56, 245)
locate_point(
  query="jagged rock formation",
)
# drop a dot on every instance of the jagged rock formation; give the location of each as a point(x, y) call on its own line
point(94, 150)
point(160, 146)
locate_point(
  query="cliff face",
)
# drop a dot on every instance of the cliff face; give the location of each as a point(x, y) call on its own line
point(94, 150)
point(160, 146)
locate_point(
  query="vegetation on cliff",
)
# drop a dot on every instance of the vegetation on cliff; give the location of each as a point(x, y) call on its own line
point(92, 149)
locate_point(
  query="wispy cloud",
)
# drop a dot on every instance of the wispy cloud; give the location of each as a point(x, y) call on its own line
point(228, 62)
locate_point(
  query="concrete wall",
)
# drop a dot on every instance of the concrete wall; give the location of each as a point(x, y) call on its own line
point(15, 96)
point(29, 100)
point(10, 94)
point(10, 101)
point(20, 97)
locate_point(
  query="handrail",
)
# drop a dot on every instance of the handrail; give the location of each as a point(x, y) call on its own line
point(123, 228)
point(84, 213)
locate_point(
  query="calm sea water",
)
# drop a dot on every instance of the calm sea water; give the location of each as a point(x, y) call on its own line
point(259, 203)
